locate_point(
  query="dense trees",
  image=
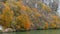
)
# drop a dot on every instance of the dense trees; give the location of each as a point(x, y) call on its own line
point(21, 15)
point(7, 16)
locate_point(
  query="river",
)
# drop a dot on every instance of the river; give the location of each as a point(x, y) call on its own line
point(51, 31)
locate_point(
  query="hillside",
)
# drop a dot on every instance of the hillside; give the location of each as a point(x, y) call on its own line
point(28, 14)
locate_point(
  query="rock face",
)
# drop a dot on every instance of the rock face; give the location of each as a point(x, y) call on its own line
point(1, 28)
point(8, 30)
point(28, 14)
point(58, 10)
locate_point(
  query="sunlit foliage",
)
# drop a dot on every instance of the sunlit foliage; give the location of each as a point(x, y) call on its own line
point(24, 21)
point(7, 16)
point(17, 14)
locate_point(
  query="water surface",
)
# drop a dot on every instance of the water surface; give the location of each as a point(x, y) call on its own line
point(54, 31)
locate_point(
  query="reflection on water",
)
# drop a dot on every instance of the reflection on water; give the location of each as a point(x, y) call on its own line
point(57, 31)
point(7, 33)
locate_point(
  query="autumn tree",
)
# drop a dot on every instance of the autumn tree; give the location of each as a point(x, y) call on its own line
point(7, 16)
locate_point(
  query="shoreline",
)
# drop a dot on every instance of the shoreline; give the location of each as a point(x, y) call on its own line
point(31, 30)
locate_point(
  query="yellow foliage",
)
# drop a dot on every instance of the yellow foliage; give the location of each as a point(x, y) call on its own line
point(20, 4)
point(7, 16)
point(23, 8)
point(46, 26)
point(53, 25)
point(36, 12)
point(28, 10)
point(45, 7)
point(25, 21)
point(54, 17)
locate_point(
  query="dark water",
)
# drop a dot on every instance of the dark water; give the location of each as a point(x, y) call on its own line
point(57, 31)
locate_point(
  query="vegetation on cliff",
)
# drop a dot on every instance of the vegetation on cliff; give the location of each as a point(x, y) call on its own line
point(18, 15)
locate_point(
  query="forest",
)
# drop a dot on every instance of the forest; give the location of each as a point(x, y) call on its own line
point(29, 14)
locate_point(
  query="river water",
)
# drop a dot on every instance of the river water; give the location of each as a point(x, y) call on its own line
point(54, 31)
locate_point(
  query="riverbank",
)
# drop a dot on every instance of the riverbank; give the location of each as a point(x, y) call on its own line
point(27, 30)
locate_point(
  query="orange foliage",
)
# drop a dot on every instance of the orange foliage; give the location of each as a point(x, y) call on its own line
point(53, 25)
point(54, 17)
point(36, 12)
point(25, 21)
point(23, 8)
point(46, 25)
point(7, 16)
